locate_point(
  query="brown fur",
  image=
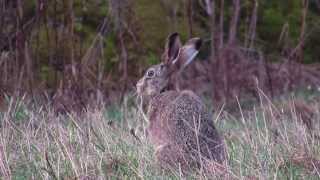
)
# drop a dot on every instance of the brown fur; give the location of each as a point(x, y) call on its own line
point(181, 122)
point(181, 128)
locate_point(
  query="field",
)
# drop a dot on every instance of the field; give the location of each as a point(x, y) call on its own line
point(69, 69)
point(266, 141)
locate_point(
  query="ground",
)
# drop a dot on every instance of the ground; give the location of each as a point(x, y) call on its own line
point(268, 140)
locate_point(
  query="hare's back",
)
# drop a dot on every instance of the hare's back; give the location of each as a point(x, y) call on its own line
point(192, 125)
point(169, 111)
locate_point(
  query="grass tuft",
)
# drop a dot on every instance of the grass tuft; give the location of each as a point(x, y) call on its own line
point(264, 142)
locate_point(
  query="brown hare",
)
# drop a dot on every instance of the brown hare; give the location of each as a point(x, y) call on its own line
point(180, 127)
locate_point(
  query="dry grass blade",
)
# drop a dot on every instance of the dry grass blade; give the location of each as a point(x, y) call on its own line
point(86, 147)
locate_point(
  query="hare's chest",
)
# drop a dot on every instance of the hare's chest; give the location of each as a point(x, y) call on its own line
point(159, 129)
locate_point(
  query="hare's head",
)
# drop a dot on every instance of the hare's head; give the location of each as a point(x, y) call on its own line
point(175, 58)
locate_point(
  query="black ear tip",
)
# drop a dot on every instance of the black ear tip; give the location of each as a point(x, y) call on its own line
point(173, 36)
point(198, 43)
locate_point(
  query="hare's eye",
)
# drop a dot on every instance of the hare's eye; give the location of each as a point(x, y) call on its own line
point(150, 73)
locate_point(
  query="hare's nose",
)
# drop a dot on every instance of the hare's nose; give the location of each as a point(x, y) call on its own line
point(140, 82)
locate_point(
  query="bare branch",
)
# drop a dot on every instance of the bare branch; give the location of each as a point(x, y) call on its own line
point(234, 22)
point(253, 25)
point(297, 52)
point(221, 20)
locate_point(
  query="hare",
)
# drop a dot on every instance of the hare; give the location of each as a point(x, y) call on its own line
point(180, 127)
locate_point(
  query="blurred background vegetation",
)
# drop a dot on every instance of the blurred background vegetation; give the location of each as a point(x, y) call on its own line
point(99, 48)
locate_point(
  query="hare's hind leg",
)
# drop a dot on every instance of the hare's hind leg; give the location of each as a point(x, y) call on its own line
point(172, 157)
point(213, 168)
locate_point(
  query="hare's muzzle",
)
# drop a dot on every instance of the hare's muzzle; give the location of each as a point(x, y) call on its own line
point(140, 86)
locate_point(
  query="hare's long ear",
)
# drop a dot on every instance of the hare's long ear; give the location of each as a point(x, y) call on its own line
point(172, 48)
point(188, 52)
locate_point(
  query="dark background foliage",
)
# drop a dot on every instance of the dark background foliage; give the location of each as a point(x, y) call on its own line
point(77, 50)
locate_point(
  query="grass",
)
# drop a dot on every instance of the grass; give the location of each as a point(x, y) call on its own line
point(262, 143)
